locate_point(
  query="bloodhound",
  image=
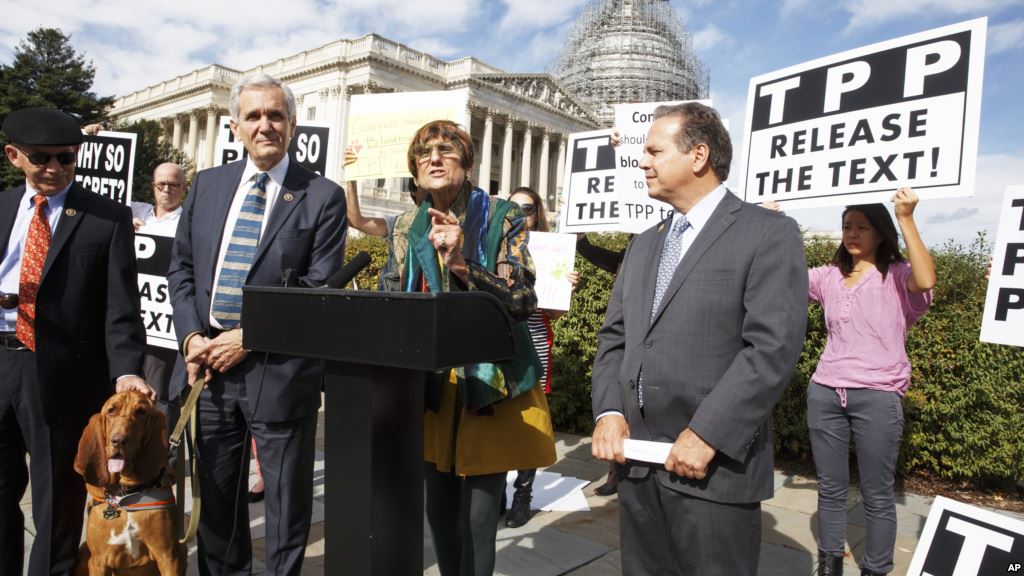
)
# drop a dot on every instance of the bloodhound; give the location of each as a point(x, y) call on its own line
point(123, 457)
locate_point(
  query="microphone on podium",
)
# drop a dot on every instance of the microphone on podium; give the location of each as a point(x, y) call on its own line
point(348, 271)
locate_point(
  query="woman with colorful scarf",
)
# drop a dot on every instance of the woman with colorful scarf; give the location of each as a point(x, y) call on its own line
point(482, 420)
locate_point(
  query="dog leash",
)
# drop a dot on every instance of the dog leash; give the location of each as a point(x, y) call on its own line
point(188, 414)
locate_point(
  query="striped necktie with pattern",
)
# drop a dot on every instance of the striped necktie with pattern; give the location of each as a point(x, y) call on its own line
point(245, 238)
point(37, 245)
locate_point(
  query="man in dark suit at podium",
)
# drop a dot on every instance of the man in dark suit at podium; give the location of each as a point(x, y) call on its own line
point(245, 223)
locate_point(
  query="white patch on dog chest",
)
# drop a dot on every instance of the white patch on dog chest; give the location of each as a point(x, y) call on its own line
point(129, 537)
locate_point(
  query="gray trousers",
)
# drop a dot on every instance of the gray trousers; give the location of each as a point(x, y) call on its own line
point(876, 419)
point(462, 512)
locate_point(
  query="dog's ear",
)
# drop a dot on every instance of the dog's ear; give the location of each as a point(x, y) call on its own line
point(152, 456)
point(91, 460)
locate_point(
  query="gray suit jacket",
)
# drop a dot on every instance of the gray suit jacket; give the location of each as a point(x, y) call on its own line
point(305, 231)
point(720, 350)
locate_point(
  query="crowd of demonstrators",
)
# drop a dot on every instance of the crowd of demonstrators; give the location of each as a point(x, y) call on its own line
point(543, 339)
point(691, 353)
point(482, 420)
point(871, 296)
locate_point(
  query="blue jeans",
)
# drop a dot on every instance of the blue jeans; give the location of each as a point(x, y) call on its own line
point(876, 419)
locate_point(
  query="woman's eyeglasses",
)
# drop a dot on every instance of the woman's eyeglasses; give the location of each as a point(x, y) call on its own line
point(529, 209)
point(43, 158)
point(444, 149)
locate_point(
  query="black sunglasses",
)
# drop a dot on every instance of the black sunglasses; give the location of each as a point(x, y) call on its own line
point(529, 209)
point(43, 158)
point(8, 301)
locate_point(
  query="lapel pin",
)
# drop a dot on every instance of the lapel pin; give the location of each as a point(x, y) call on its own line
point(661, 228)
point(71, 211)
point(288, 197)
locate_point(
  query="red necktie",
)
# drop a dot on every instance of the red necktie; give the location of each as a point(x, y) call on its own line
point(37, 244)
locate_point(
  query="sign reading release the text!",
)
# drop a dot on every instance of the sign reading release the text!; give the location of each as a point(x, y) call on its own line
point(588, 189)
point(852, 127)
point(1004, 303)
point(962, 540)
point(106, 163)
point(153, 255)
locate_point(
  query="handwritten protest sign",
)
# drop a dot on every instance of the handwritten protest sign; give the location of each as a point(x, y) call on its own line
point(153, 255)
point(554, 256)
point(106, 162)
point(380, 127)
point(308, 148)
point(1003, 322)
point(852, 127)
point(589, 200)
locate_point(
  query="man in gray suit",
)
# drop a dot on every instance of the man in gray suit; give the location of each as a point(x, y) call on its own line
point(244, 223)
point(704, 326)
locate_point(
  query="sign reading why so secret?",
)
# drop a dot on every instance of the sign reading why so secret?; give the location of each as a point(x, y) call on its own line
point(106, 163)
point(962, 540)
point(1003, 322)
point(852, 127)
point(308, 147)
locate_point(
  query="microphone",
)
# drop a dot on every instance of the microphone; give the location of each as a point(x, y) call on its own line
point(348, 271)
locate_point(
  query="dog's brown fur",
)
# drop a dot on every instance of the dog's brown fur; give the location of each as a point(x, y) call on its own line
point(143, 430)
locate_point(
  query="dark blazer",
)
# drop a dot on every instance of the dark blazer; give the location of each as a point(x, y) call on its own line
point(720, 350)
point(305, 231)
point(88, 321)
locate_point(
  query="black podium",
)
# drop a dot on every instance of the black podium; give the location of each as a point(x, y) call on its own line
point(378, 350)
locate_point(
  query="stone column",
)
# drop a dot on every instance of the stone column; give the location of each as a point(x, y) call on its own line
point(176, 134)
point(193, 136)
point(524, 174)
point(560, 169)
point(485, 151)
point(212, 115)
point(542, 180)
point(506, 158)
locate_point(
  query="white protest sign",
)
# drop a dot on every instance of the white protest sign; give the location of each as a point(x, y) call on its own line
point(308, 148)
point(853, 127)
point(153, 255)
point(106, 163)
point(380, 127)
point(554, 256)
point(589, 202)
point(962, 540)
point(1003, 322)
point(638, 210)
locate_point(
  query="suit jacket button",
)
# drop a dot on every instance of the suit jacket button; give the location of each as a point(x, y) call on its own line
point(648, 344)
point(632, 384)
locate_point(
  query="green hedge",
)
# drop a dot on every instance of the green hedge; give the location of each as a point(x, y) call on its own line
point(964, 411)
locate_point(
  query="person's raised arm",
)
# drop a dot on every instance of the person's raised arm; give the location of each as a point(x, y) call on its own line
point(372, 225)
point(922, 270)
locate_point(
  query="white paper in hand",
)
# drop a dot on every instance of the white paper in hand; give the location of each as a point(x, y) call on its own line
point(646, 451)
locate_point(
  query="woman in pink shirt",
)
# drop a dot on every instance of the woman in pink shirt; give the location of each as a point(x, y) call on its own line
point(871, 295)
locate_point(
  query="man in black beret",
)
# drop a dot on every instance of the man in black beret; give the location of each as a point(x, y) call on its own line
point(71, 333)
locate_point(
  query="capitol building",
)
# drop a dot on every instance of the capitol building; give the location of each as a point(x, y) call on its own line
point(618, 51)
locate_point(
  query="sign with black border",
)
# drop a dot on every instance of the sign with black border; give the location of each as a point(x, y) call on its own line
point(963, 540)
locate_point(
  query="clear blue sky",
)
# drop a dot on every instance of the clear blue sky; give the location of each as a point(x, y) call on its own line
point(134, 43)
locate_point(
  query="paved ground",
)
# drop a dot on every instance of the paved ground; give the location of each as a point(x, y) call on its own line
point(586, 543)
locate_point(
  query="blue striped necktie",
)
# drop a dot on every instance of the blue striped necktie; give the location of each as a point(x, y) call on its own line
point(245, 238)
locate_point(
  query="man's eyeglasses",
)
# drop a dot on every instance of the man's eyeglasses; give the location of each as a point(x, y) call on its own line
point(444, 149)
point(529, 209)
point(164, 185)
point(43, 158)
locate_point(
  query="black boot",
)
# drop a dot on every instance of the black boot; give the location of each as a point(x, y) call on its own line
point(519, 512)
point(610, 486)
point(829, 565)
